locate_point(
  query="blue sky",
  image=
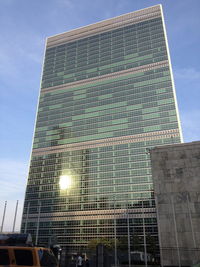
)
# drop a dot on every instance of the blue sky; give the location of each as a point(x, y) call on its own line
point(24, 28)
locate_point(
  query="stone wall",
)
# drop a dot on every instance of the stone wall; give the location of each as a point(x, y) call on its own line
point(176, 178)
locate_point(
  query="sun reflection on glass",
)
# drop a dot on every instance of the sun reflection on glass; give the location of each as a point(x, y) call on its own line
point(65, 182)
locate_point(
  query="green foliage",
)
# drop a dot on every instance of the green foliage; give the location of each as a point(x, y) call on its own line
point(137, 243)
point(152, 244)
point(108, 243)
point(123, 243)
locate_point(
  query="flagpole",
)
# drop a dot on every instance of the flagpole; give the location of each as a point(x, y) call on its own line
point(4, 212)
point(15, 216)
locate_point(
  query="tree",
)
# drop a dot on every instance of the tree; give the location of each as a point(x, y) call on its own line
point(122, 243)
point(108, 243)
point(152, 244)
point(137, 243)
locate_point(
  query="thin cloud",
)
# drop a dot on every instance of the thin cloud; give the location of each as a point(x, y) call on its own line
point(185, 22)
point(187, 80)
point(66, 3)
point(12, 188)
point(12, 178)
point(25, 48)
point(187, 74)
point(191, 125)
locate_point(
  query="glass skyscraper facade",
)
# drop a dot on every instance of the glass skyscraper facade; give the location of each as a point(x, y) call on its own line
point(107, 96)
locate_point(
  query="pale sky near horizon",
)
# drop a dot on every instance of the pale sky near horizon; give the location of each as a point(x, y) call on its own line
point(24, 28)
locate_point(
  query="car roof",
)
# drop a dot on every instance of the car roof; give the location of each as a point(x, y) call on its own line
point(23, 247)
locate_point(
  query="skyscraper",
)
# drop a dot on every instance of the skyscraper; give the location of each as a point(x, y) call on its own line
point(107, 95)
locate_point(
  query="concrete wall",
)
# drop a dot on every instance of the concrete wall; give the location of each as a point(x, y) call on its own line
point(176, 178)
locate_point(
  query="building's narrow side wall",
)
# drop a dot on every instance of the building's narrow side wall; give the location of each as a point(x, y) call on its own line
point(176, 177)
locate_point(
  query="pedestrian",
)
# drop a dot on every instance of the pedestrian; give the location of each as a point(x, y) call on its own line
point(87, 264)
point(79, 262)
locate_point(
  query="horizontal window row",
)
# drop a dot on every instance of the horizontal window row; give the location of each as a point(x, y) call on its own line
point(99, 181)
point(91, 156)
point(126, 36)
point(107, 70)
point(124, 43)
point(113, 162)
point(134, 114)
point(89, 53)
point(90, 188)
point(87, 206)
point(106, 96)
point(100, 127)
point(135, 148)
point(152, 25)
point(115, 114)
point(101, 197)
point(93, 135)
point(110, 63)
point(62, 80)
point(79, 71)
point(109, 121)
point(91, 69)
point(106, 222)
point(151, 46)
point(109, 110)
point(111, 86)
point(69, 66)
point(132, 148)
point(102, 135)
point(98, 105)
point(49, 129)
point(154, 45)
point(120, 196)
point(92, 159)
